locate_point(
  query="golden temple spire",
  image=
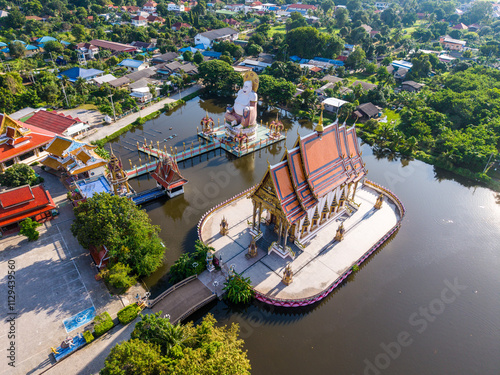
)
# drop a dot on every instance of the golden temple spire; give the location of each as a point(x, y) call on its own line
point(319, 128)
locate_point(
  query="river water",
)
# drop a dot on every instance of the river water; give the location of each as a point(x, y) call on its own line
point(428, 302)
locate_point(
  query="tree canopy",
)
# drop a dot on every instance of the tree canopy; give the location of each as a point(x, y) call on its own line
point(18, 175)
point(219, 77)
point(159, 347)
point(117, 223)
point(308, 42)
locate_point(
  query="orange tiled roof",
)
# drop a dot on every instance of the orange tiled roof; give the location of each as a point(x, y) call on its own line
point(317, 166)
point(168, 175)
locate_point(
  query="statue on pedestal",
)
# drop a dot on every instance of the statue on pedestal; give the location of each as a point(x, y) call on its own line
point(224, 227)
point(339, 236)
point(210, 258)
point(252, 249)
point(287, 275)
point(378, 203)
point(244, 111)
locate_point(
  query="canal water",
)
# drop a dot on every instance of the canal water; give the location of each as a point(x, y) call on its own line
point(428, 302)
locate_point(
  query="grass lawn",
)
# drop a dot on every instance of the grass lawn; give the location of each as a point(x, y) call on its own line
point(88, 107)
point(391, 116)
point(362, 77)
point(280, 28)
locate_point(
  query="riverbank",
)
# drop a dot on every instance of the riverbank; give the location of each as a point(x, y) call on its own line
point(110, 132)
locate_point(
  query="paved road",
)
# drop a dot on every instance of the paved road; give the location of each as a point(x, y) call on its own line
point(110, 129)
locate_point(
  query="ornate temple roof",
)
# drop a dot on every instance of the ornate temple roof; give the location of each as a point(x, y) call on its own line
point(167, 174)
point(315, 167)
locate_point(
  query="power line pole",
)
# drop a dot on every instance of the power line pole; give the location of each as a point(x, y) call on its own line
point(112, 105)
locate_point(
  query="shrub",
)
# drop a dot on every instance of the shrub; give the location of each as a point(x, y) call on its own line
point(118, 275)
point(190, 264)
point(128, 313)
point(103, 324)
point(239, 289)
point(355, 268)
point(28, 229)
point(88, 336)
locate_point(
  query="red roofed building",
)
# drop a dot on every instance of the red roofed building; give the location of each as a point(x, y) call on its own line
point(311, 186)
point(460, 26)
point(112, 46)
point(21, 143)
point(178, 25)
point(168, 176)
point(24, 202)
point(57, 123)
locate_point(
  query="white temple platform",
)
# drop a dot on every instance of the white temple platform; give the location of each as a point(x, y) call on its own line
point(316, 267)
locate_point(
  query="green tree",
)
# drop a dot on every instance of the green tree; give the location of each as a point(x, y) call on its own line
point(357, 59)
point(308, 42)
point(15, 19)
point(198, 57)
point(18, 175)
point(117, 223)
point(53, 46)
point(28, 229)
point(33, 8)
point(254, 49)
point(134, 357)
point(17, 49)
point(219, 77)
point(78, 31)
point(118, 275)
point(188, 56)
point(239, 289)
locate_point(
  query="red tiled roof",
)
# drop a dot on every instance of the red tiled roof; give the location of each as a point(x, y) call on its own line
point(168, 175)
point(301, 6)
point(315, 168)
point(7, 152)
point(34, 204)
point(15, 196)
point(113, 46)
point(53, 121)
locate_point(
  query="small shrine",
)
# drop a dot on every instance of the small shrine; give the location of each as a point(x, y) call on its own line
point(168, 177)
point(378, 203)
point(207, 125)
point(117, 176)
point(287, 275)
point(224, 227)
point(210, 261)
point(339, 236)
point(252, 249)
point(275, 128)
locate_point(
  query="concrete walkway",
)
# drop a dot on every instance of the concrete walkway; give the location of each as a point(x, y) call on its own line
point(121, 123)
point(317, 266)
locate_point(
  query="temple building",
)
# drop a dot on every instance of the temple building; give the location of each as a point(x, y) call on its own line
point(74, 157)
point(314, 184)
point(21, 143)
point(24, 202)
point(168, 177)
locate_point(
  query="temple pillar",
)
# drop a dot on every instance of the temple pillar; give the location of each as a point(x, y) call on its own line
point(254, 214)
point(286, 236)
point(279, 231)
point(354, 191)
point(260, 216)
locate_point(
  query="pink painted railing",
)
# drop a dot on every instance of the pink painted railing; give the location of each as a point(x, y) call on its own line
point(207, 214)
point(308, 301)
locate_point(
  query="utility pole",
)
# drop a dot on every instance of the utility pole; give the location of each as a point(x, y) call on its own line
point(112, 105)
point(64, 92)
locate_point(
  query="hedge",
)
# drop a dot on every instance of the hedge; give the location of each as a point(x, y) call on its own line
point(88, 336)
point(128, 313)
point(104, 324)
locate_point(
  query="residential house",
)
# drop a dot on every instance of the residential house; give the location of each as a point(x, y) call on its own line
point(452, 44)
point(3, 13)
point(139, 21)
point(34, 18)
point(382, 5)
point(104, 79)
point(172, 7)
point(366, 111)
point(130, 9)
point(333, 105)
point(57, 123)
point(24, 202)
point(140, 90)
point(133, 65)
point(75, 158)
point(460, 26)
point(21, 143)
point(145, 46)
point(235, 7)
point(150, 6)
point(155, 19)
point(474, 27)
point(178, 25)
point(177, 67)
point(119, 83)
point(74, 74)
point(300, 8)
point(231, 22)
point(331, 79)
point(208, 38)
point(411, 86)
point(86, 51)
point(399, 69)
point(144, 73)
point(113, 46)
point(365, 85)
point(165, 58)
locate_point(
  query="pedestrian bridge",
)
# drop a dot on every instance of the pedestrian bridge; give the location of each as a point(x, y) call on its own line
point(182, 299)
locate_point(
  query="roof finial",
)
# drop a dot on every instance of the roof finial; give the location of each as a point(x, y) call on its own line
point(319, 128)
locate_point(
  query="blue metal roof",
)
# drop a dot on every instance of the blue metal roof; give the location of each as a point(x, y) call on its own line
point(2, 44)
point(212, 54)
point(29, 47)
point(5, 50)
point(19, 41)
point(74, 73)
point(65, 43)
point(129, 63)
point(45, 39)
point(200, 46)
point(182, 50)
